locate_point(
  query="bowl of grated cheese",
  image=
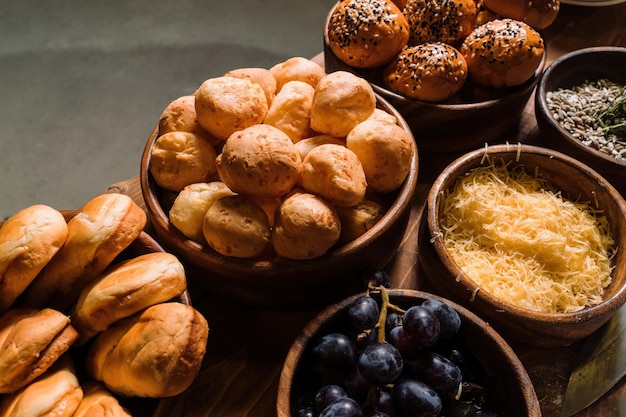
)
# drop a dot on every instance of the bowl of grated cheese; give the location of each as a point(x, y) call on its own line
point(528, 238)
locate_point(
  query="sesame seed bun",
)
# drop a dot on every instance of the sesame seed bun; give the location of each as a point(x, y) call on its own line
point(536, 13)
point(448, 21)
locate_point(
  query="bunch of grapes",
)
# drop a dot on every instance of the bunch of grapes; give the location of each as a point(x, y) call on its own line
point(386, 361)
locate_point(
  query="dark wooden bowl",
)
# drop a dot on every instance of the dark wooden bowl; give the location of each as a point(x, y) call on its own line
point(518, 325)
point(569, 71)
point(443, 131)
point(484, 342)
point(283, 283)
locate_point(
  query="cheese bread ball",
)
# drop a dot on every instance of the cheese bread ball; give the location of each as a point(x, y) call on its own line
point(261, 76)
point(385, 151)
point(180, 116)
point(259, 161)
point(385, 116)
point(341, 101)
point(334, 173)
point(448, 21)
point(297, 68)
point(182, 158)
point(358, 219)
point(305, 227)
point(235, 226)
point(305, 145)
point(191, 204)
point(291, 110)
point(225, 105)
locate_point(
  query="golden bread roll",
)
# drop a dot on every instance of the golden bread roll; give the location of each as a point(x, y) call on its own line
point(225, 105)
point(101, 230)
point(297, 68)
point(99, 402)
point(236, 226)
point(259, 161)
point(261, 76)
point(31, 340)
point(447, 21)
point(358, 219)
point(503, 53)
point(484, 16)
point(28, 241)
point(56, 393)
point(154, 354)
point(538, 14)
point(367, 33)
point(341, 101)
point(306, 226)
point(334, 173)
point(180, 116)
point(178, 159)
point(291, 110)
point(385, 151)
point(125, 289)
point(305, 145)
point(430, 72)
point(191, 204)
point(383, 115)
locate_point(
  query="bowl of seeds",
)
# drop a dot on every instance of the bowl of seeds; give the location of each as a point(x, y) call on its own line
point(580, 105)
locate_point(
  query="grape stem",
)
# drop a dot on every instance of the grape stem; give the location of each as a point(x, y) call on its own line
point(385, 305)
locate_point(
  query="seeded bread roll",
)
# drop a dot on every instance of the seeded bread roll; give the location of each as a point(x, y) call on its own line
point(430, 72)
point(297, 68)
point(99, 402)
point(28, 241)
point(538, 14)
point(180, 116)
point(447, 21)
point(31, 340)
point(291, 110)
point(367, 33)
point(503, 53)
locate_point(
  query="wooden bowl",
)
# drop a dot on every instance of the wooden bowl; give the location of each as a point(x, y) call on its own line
point(569, 71)
point(518, 325)
point(443, 131)
point(491, 350)
point(284, 283)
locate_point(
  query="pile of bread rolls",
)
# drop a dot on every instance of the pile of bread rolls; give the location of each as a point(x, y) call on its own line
point(284, 162)
point(70, 291)
point(428, 49)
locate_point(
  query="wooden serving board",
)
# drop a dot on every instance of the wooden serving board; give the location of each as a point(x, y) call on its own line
point(247, 346)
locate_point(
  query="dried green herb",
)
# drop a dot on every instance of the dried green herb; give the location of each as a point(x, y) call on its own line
point(613, 117)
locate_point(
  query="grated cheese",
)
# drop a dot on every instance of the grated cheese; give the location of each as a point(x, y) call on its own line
point(524, 243)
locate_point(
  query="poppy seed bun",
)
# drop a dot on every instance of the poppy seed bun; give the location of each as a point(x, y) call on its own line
point(31, 340)
point(447, 21)
point(503, 53)
point(538, 14)
point(367, 33)
point(28, 241)
point(430, 72)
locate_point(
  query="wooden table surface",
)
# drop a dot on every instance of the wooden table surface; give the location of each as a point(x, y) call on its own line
point(247, 346)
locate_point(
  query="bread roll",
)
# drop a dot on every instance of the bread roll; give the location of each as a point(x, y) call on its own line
point(261, 76)
point(385, 151)
point(154, 354)
point(447, 21)
point(538, 14)
point(503, 53)
point(125, 289)
point(99, 402)
point(367, 33)
point(305, 145)
point(31, 341)
point(178, 159)
point(358, 219)
point(334, 173)
point(191, 204)
point(28, 241)
point(180, 116)
point(385, 116)
point(57, 393)
point(225, 105)
point(259, 161)
point(430, 72)
point(101, 230)
point(306, 226)
point(341, 101)
point(235, 226)
point(297, 68)
point(291, 110)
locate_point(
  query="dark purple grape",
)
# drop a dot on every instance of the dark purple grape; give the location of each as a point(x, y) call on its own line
point(384, 402)
point(377, 277)
point(380, 363)
point(334, 350)
point(306, 412)
point(328, 394)
point(392, 321)
point(378, 414)
point(471, 368)
point(356, 386)
point(413, 398)
point(364, 338)
point(438, 372)
point(343, 407)
point(363, 313)
point(407, 347)
point(421, 326)
point(462, 409)
point(449, 319)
